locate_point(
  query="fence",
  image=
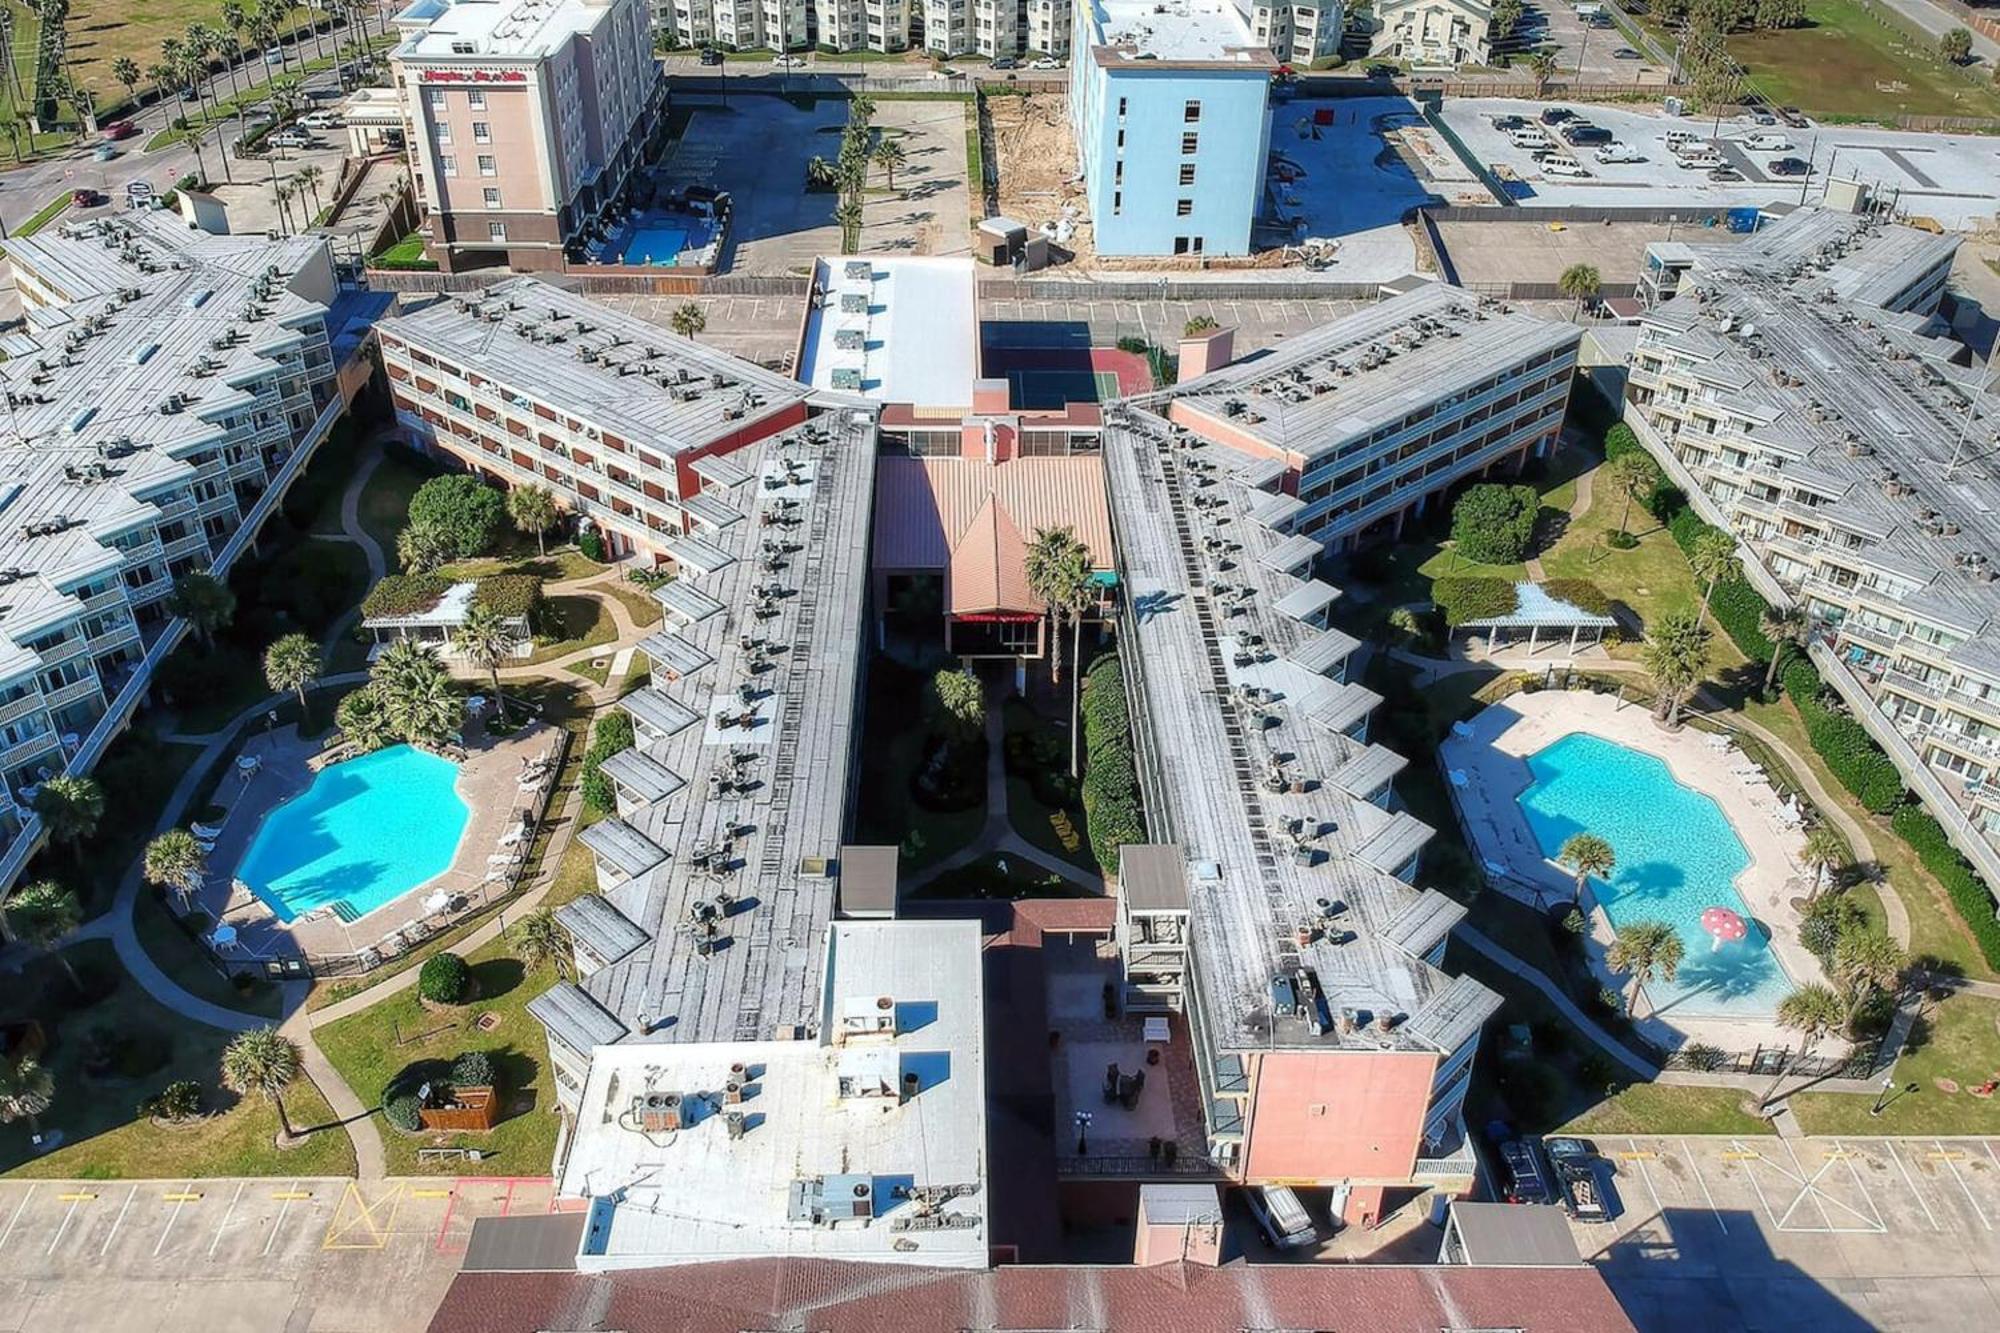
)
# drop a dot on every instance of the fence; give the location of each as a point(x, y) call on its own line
point(1771, 1061)
point(1140, 1165)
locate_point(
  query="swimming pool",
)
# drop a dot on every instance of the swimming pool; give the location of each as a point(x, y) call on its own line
point(364, 832)
point(1677, 855)
point(656, 241)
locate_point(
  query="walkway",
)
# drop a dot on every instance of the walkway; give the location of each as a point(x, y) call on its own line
point(354, 534)
point(1633, 1063)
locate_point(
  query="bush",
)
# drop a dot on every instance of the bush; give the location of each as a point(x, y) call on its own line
point(1462, 599)
point(474, 1069)
point(404, 595)
point(592, 546)
point(1579, 593)
point(1843, 742)
point(1703, 1057)
point(510, 595)
point(463, 510)
point(1110, 781)
point(613, 733)
point(400, 1110)
point(1734, 604)
point(1968, 894)
point(1620, 441)
point(178, 1101)
point(1495, 524)
point(444, 979)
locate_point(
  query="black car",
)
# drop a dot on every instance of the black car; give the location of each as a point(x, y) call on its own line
point(1526, 1179)
point(1793, 117)
point(1557, 115)
point(1789, 166)
point(710, 56)
point(1585, 136)
point(1005, 62)
point(1507, 123)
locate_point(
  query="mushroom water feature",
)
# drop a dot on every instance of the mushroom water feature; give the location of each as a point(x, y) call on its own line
point(1723, 926)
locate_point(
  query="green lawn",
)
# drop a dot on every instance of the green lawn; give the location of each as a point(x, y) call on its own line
point(1033, 818)
point(188, 965)
point(385, 501)
point(1660, 1108)
point(373, 1046)
point(1957, 1047)
point(576, 622)
point(1851, 64)
point(104, 1139)
point(517, 555)
point(406, 253)
point(639, 604)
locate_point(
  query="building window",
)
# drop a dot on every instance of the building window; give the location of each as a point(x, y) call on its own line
point(448, 164)
point(1183, 208)
point(437, 98)
point(1189, 143)
point(482, 132)
point(1117, 202)
point(492, 197)
point(1121, 108)
point(476, 99)
point(490, 166)
point(1121, 141)
point(443, 131)
point(496, 231)
point(1192, 112)
point(1187, 173)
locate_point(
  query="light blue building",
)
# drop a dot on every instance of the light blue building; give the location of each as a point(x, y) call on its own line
point(1169, 104)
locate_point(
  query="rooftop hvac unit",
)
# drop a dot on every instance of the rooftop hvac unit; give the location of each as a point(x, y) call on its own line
point(868, 1016)
point(658, 1112)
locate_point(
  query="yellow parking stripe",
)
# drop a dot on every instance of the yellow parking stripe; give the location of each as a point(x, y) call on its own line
point(80, 1196)
point(291, 1194)
point(181, 1196)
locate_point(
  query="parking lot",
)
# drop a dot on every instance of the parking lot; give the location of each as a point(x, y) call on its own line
point(218, 1256)
point(1579, 46)
point(1952, 178)
point(1828, 1234)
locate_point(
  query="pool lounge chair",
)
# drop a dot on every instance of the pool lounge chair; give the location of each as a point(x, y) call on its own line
point(204, 832)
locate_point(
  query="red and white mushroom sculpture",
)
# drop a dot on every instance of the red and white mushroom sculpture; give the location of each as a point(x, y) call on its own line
point(1723, 926)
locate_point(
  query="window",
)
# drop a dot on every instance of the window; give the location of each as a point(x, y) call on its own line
point(1118, 172)
point(1117, 202)
point(482, 132)
point(1183, 208)
point(443, 128)
point(1121, 141)
point(1187, 173)
point(1189, 143)
point(496, 231)
point(1121, 108)
point(492, 197)
point(448, 164)
point(476, 99)
point(437, 98)
point(1192, 113)
point(488, 165)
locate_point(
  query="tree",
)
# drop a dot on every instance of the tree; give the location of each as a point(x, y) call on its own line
point(1812, 1012)
point(1677, 653)
point(174, 860)
point(487, 639)
point(416, 694)
point(820, 174)
point(955, 706)
point(1780, 13)
point(847, 215)
point(292, 663)
point(42, 915)
point(70, 805)
point(1058, 572)
point(465, 512)
point(1955, 45)
point(1643, 950)
point(889, 155)
point(688, 319)
point(205, 602)
point(539, 939)
point(1867, 962)
point(234, 20)
point(1199, 325)
point(309, 179)
point(1713, 559)
point(534, 510)
point(1636, 477)
point(1784, 626)
point(1825, 920)
point(1586, 854)
point(363, 720)
point(1494, 524)
point(263, 1062)
point(1579, 282)
point(282, 191)
point(420, 548)
point(1825, 852)
point(26, 1092)
point(1543, 66)
point(126, 70)
point(1507, 16)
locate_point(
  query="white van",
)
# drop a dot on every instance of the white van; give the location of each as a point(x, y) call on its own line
point(1529, 136)
point(1705, 160)
point(1619, 152)
point(1281, 1217)
point(1562, 164)
point(1679, 139)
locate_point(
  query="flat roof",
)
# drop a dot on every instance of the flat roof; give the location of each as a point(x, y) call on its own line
point(1514, 1235)
point(1174, 31)
point(902, 330)
point(885, 1093)
point(495, 29)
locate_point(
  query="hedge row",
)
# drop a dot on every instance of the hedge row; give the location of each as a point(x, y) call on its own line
point(1474, 598)
point(1914, 825)
point(404, 595)
point(1579, 593)
point(1735, 604)
point(1110, 780)
point(613, 734)
point(1845, 745)
point(510, 594)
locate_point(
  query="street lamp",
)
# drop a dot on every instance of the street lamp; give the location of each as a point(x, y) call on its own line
point(1083, 1133)
point(1882, 1097)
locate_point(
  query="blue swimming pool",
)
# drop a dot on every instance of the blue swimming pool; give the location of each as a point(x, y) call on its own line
point(364, 832)
point(657, 241)
point(1677, 855)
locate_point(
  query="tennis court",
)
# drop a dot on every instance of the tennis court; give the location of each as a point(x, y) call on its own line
point(1055, 388)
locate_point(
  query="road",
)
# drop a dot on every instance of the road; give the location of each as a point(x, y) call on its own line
point(1936, 20)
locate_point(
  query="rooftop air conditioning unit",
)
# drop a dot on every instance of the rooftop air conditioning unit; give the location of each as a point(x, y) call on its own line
point(659, 1112)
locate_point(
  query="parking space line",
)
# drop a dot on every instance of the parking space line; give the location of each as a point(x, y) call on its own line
point(278, 1223)
point(1755, 1184)
point(18, 1210)
point(1703, 1181)
point(118, 1221)
point(1922, 1202)
point(1861, 1188)
point(76, 1201)
point(180, 1201)
point(1659, 1209)
point(227, 1213)
point(1952, 1165)
point(1808, 1186)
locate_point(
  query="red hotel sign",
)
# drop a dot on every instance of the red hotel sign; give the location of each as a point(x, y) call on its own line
point(474, 76)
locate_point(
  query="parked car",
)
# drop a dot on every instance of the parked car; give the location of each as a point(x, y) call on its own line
point(1004, 62)
point(291, 138)
point(1526, 1181)
point(1793, 117)
point(85, 198)
point(1562, 164)
point(1530, 137)
point(1619, 152)
point(1789, 166)
point(1676, 139)
point(321, 120)
point(786, 62)
point(1585, 136)
point(1577, 1168)
point(1046, 62)
point(120, 129)
point(1626, 53)
point(1556, 115)
point(1281, 1217)
point(1724, 175)
point(1768, 143)
point(1706, 159)
point(710, 56)
point(274, 56)
point(1506, 124)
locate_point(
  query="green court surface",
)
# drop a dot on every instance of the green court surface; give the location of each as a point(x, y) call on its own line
point(1054, 388)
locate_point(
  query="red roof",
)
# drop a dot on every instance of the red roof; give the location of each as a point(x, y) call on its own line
point(829, 1296)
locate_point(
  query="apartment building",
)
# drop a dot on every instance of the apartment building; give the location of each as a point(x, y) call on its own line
point(1170, 107)
point(1436, 34)
point(630, 425)
point(1296, 34)
point(525, 120)
point(778, 25)
point(1800, 388)
point(1363, 423)
point(166, 387)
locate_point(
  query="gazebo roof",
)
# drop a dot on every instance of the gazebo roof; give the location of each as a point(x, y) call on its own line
point(1535, 608)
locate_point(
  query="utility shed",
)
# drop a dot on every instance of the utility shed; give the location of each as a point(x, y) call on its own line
point(1508, 1235)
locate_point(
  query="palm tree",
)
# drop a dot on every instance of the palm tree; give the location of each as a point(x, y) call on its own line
point(1812, 1012)
point(819, 173)
point(1867, 961)
point(234, 20)
point(1586, 854)
point(955, 706)
point(1677, 653)
point(1713, 559)
point(362, 720)
point(688, 319)
point(539, 939)
point(1543, 66)
point(847, 216)
point(889, 155)
point(420, 548)
point(174, 860)
point(1825, 852)
point(1058, 571)
point(205, 602)
point(70, 806)
point(1784, 626)
point(416, 694)
point(310, 177)
point(43, 914)
point(263, 1062)
point(1579, 282)
point(273, 13)
point(533, 509)
point(487, 639)
point(1643, 950)
point(1637, 477)
point(26, 1091)
point(126, 70)
point(283, 191)
point(292, 663)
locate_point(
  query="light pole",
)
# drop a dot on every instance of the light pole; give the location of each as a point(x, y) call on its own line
point(1083, 1133)
point(1882, 1097)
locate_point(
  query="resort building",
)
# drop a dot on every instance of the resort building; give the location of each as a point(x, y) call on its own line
point(1169, 104)
point(165, 389)
point(632, 427)
point(1296, 34)
point(525, 120)
point(778, 25)
point(1435, 34)
point(1800, 388)
point(1363, 423)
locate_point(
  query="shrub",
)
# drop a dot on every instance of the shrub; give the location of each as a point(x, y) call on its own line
point(473, 1069)
point(404, 595)
point(1463, 598)
point(1620, 441)
point(612, 734)
point(1579, 593)
point(592, 546)
point(510, 594)
point(1697, 1055)
point(1110, 781)
point(1968, 894)
point(1845, 745)
point(1825, 919)
point(464, 511)
point(400, 1110)
point(178, 1101)
point(1734, 604)
point(1495, 524)
point(443, 979)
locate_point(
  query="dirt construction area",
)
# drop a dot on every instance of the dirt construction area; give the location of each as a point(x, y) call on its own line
point(1489, 255)
point(1034, 153)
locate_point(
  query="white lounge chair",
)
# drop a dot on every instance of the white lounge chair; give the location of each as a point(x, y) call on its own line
point(204, 832)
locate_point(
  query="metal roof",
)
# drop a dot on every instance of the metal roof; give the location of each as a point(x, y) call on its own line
point(868, 880)
point(687, 603)
point(574, 1019)
point(599, 927)
point(628, 851)
point(1153, 877)
point(659, 710)
point(678, 656)
point(698, 555)
point(1512, 1235)
point(1423, 923)
point(1307, 600)
point(1450, 1017)
point(644, 776)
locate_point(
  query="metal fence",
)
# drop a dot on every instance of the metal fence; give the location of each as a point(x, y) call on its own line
point(1137, 1165)
point(1772, 1061)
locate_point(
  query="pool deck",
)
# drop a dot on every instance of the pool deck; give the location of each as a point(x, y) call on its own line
point(487, 783)
point(1494, 758)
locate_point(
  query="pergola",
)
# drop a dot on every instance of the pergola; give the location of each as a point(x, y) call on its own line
point(1544, 618)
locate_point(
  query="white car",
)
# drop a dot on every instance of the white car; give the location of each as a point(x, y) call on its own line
point(1046, 62)
point(1768, 143)
point(321, 120)
point(1561, 164)
point(1619, 152)
point(290, 139)
point(788, 61)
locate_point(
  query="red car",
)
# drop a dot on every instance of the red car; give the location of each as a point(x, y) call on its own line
point(85, 198)
point(120, 129)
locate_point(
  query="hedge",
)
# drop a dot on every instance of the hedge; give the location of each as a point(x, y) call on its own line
point(1579, 593)
point(1110, 782)
point(1734, 604)
point(1969, 895)
point(404, 595)
point(613, 734)
point(1620, 441)
point(510, 594)
point(1474, 598)
point(1845, 745)
point(443, 978)
point(1495, 524)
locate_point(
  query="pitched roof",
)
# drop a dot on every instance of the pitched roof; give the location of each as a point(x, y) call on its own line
point(989, 566)
point(924, 506)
